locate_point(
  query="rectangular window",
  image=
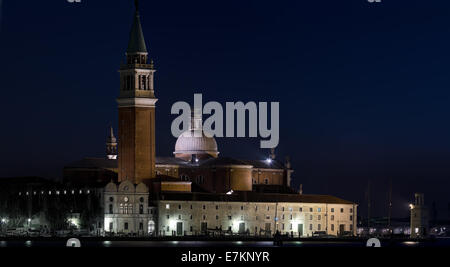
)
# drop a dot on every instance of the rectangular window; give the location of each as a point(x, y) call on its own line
point(204, 207)
point(332, 209)
point(319, 217)
point(319, 209)
point(351, 217)
point(342, 210)
point(310, 209)
point(332, 227)
point(126, 226)
point(332, 217)
point(168, 216)
point(229, 218)
point(310, 227)
point(300, 209)
point(167, 206)
point(179, 207)
point(318, 227)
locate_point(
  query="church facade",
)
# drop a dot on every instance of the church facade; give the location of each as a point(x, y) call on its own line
point(196, 191)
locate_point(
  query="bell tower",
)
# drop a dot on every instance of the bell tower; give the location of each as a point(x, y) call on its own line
point(136, 103)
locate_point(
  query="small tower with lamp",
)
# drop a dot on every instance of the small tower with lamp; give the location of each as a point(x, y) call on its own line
point(419, 217)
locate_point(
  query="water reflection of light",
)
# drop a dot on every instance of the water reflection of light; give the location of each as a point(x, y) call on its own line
point(28, 243)
point(239, 242)
point(411, 243)
point(107, 243)
point(3, 244)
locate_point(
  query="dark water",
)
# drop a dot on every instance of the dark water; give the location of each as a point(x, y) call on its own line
point(318, 243)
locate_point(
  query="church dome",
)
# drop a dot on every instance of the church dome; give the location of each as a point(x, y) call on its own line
point(202, 146)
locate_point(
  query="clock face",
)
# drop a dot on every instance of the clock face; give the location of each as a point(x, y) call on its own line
point(125, 199)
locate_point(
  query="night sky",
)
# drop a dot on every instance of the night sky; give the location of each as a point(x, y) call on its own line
point(364, 89)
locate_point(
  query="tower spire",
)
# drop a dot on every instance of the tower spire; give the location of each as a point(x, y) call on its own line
point(136, 43)
point(111, 145)
point(111, 137)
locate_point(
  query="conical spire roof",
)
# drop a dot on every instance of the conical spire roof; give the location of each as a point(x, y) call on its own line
point(111, 137)
point(137, 41)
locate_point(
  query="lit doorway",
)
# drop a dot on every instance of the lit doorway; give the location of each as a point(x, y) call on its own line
point(179, 228)
point(242, 228)
point(300, 229)
point(151, 227)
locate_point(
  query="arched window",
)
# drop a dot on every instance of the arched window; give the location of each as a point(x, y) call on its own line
point(144, 82)
point(111, 211)
point(129, 209)
point(141, 209)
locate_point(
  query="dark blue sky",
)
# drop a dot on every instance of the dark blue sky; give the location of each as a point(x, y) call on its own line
point(363, 88)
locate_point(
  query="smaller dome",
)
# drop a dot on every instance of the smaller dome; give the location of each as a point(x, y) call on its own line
point(188, 144)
